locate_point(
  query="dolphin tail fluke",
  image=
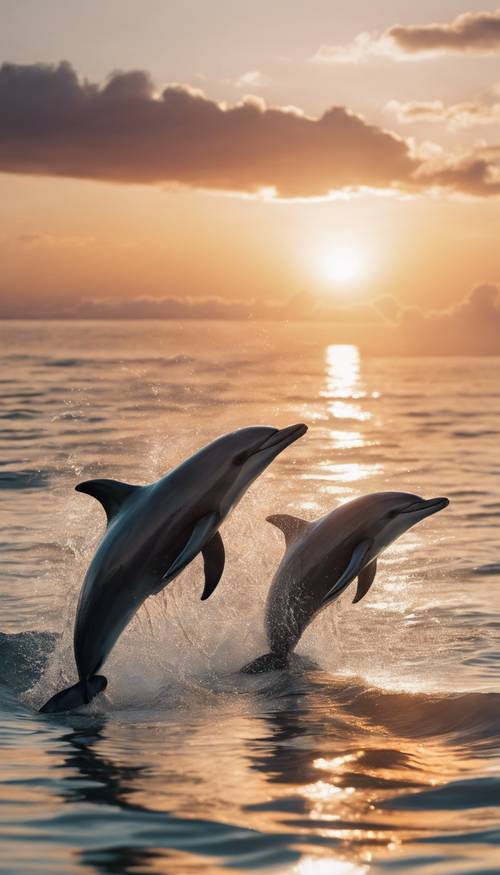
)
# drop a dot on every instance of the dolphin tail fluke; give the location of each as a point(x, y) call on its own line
point(266, 662)
point(74, 697)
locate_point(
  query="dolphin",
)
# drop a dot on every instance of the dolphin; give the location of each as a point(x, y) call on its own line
point(322, 558)
point(153, 533)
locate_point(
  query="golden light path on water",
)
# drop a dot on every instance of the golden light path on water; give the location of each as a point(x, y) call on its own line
point(344, 391)
point(331, 800)
point(350, 402)
point(312, 866)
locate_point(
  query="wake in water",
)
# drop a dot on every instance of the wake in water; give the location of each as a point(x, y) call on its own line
point(175, 649)
point(468, 720)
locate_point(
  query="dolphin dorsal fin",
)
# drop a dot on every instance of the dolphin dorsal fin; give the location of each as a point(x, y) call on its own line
point(293, 527)
point(111, 493)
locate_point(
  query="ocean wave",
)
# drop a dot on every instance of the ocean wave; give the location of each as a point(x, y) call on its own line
point(455, 795)
point(20, 414)
point(459, 718)
point(464, 718)
point(26, 479)
point(485, 432)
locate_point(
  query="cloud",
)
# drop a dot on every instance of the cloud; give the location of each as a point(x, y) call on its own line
point(475, 33)
point(363, 47)
point(455, 115)
point(382, 326)
point(297, 308)
point(52, 123)
point(476, 174)
point(252, 79)
point(472, 326)
point(54, 240)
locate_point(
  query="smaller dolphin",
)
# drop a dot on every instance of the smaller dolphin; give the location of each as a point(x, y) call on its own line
point(153, 533)
point(322, 558)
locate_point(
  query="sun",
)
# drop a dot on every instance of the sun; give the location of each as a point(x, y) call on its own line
point(342, 264)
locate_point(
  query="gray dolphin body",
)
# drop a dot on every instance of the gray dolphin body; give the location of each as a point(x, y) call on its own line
point(322, 558)
point(153, 533)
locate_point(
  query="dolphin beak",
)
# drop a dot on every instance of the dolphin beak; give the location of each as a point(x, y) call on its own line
point(283, 437)
point(427, 507)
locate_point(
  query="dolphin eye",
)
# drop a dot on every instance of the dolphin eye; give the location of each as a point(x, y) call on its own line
point(240, 459)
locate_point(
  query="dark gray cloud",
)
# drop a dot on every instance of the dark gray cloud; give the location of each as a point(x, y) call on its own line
point(477, 32)
point(52, 123)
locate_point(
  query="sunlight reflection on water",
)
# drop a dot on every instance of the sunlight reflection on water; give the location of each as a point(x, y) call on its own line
point(343, 381)
point(343, 370)
point(345, 440)
point(315, 866)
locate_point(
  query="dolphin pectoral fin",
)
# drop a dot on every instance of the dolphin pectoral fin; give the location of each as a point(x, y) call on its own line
point(214, 557)
point(365, 580)
point(291, 526)
point(111, 493)
point(353, 569)
point(202, 532)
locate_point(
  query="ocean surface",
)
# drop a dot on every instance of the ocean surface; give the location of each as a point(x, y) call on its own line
point(378, 752)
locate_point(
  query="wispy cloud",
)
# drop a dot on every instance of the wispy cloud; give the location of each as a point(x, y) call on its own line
point(454, 115)
point(476, 33)
point(252, 79)
point(364, 47)
point(54, 240)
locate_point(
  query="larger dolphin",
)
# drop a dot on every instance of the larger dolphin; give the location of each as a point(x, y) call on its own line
point(322, 558)
point(153, 533)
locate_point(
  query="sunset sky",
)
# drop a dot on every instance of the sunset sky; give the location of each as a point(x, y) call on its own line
point(331, 154)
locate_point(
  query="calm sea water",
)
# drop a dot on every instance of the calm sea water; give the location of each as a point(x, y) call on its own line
point(378, 752)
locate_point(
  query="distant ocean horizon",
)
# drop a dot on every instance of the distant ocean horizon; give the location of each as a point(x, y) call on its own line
point(372, 339)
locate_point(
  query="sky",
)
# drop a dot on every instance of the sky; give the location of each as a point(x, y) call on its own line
point(270, 160)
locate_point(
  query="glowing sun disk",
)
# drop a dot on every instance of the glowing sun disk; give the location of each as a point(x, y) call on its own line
point(343, 264)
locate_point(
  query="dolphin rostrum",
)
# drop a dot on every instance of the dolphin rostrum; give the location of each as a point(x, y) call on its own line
point(153, 533)
point(322, 558)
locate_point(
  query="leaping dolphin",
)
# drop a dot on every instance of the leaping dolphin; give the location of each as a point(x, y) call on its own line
point(153, 533)
point(322, 558)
